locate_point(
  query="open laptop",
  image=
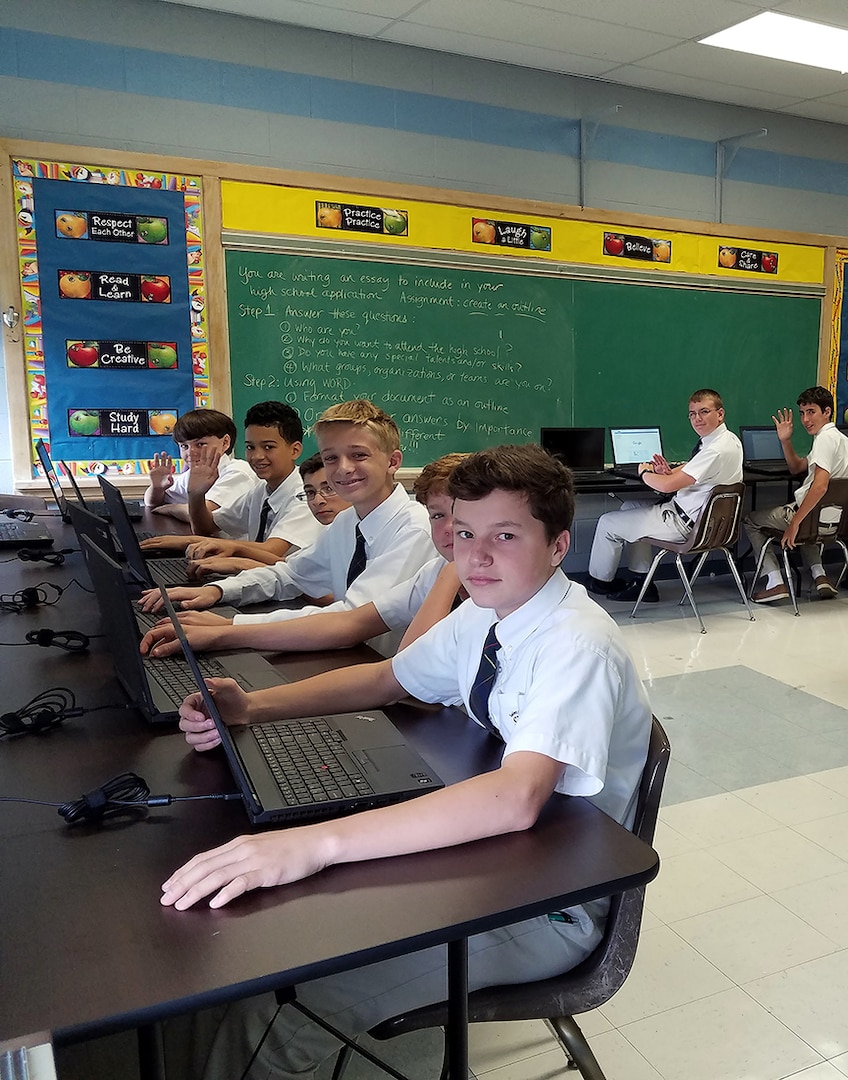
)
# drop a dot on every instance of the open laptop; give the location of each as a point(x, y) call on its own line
point(158, 685)
point(134, 509)
point(21, 534)
point(580, 448)
point(298, 771)
point(762, 452)
point(631, 446)
point(155, 571)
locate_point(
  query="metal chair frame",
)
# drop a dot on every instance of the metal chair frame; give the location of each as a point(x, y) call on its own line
point(813, 531)
point(586, 986)
point(716, 529)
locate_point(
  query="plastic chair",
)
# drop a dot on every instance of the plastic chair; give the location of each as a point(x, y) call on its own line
point(716, 529)
point(584, 987)
point(813, 530)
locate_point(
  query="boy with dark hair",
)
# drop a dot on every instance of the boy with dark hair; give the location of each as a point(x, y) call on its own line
point(270, 520)
point(717, 459)
point(412, 606)
point(539, 665)
point(211, 481)
point(382, 539)
point(828, 457)
point(322, 500)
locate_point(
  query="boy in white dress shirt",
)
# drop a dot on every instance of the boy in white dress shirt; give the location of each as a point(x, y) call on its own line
point(211, 481)
point(561, 692)
point(382, 539)
point(828, 457)
point(413, 605)
point(716, 460)
point(270, 521)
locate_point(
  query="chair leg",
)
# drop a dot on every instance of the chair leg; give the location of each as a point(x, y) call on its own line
point(698, 567)
point(576, 1047)
point(689, 592)
point(845, 563)
point(649, 577)
point(790, 580)
point(731, 562)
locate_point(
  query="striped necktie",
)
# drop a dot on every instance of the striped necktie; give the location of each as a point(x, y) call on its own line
point(357, 563)
point(263, 521)
point(484, 680)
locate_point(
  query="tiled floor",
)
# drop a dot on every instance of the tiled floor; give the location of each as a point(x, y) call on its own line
point(742, 969)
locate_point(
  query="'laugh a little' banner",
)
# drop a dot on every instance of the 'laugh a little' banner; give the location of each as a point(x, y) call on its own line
point(514, 234)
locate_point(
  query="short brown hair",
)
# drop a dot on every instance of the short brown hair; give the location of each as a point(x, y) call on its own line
point(530, 471)
point(201, 423)
point(363, 413)
point(433, 478)
point(708, 395)
point(312, 465)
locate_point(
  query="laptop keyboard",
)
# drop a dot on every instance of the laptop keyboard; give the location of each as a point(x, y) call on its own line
point(174, 677)
point(11, 530)
point(168, 571)
point(309, 762)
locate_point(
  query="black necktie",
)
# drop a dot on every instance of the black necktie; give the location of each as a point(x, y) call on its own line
point(357, 563)
point(263, 521)
point(696, 449)
point(483, 681)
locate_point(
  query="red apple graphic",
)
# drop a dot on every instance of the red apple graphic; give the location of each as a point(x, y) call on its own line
point(83, 353)
point(769, 262)
point(613, 243)
point(156, 289)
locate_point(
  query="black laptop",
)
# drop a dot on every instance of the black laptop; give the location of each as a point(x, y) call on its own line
point(158, 685)
point(631, 446)
point(762, 452)
point(134, 508)
point(580, 448)
point(304, 770)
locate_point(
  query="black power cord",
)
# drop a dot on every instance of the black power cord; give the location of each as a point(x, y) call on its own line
point(45, 712)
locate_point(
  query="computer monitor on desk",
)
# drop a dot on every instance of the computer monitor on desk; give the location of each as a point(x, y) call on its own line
point(762, 452)
point(580, 448)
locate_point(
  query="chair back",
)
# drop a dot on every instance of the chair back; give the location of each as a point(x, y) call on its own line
point(718, 523)
point(601, 974)
point(812, 529)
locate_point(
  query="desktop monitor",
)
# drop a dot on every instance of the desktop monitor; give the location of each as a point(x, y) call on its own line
point(576, 447)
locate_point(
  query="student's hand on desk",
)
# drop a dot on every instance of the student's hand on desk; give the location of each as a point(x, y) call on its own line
point(206, 546)
point(203, 597)
point(197, 569)
point(174, 510)
point(248, 862)
point(233, 704)
point(165, 543)
point(783, 423)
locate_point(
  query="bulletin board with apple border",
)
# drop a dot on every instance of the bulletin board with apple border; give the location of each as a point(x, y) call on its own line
point(113, 293)
point(473, 328)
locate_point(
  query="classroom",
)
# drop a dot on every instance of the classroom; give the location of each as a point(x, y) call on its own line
point(485, 161)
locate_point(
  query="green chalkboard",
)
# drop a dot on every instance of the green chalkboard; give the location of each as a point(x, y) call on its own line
point(465, 358)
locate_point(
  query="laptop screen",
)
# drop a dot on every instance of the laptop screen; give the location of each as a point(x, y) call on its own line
point(635, 444)
point(761, 444)
point(579, 448)
point(52, 476)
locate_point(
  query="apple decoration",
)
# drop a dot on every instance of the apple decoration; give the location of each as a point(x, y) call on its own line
point(329, 217)
point(540, 238)
point(613, 243)
point(162, 423)
point(75, 285)
point(162, 354)
point(152, 230)
point(84, 423)
point(73, 225)
point(394, 222)
point(769, 262)
point(157, 290)
point(83, 353)
point(483, 232)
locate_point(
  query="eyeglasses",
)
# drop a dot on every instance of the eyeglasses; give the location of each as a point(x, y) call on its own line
point(695, 413)
point(310, 494)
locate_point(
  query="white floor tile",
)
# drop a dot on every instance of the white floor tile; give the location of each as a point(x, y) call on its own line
point(491, 1046)
point(825, 1071)
point(724, 1037)
point(667, 972)
point(798, 799)
point(695, 882)
point(833, 779)
point(778, 859)
point(619, 1059)
point(716, 819)
point(811, 1000)
point(840, 1063)
point(754, 938)
point(823, 904)
point(830, 832)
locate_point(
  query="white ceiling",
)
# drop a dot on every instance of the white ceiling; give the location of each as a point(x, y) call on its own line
point(644, 43)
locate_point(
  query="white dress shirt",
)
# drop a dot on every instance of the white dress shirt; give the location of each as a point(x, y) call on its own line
point(290, 518)
point(236, 480)
point(566, 687)
point(829, 451)
point(719, 461)
point(397, 544)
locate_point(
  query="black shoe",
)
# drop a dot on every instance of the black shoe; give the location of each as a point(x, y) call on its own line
point(604, 588)
point(630, 593)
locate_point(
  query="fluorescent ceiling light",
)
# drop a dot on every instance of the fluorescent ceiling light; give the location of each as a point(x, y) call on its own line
point(782, 37)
